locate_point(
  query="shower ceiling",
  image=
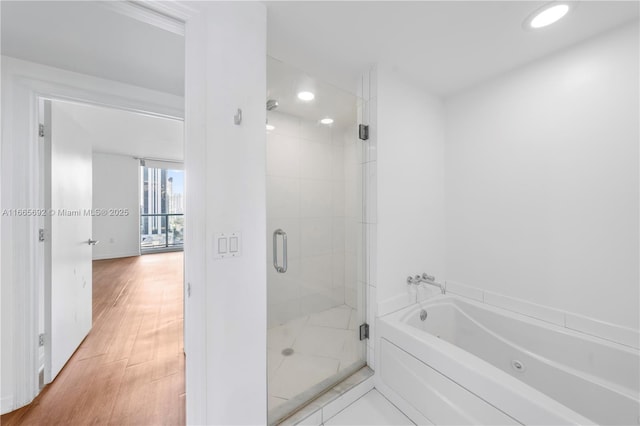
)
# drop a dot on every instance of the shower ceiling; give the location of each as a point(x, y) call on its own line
point(284, 82)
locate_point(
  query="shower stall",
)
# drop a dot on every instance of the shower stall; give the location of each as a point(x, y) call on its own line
point(315, 243)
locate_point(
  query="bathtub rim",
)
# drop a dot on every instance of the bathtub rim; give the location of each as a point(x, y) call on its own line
point(459, 304)
point(473, 373)
point(431, 301)
point(415, 308)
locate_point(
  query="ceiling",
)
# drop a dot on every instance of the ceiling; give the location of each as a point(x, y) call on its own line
point(443, 46)
point(92, 38)
point(116, 131)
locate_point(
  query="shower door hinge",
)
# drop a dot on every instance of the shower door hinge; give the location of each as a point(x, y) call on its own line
point(363, 132)
point(41, 340)
point(364, 331)
point(41, 130)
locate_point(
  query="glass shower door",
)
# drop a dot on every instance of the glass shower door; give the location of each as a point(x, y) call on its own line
point(314, 206)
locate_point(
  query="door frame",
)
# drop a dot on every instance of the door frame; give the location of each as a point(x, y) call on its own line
point(26, 84)
point(45, 264)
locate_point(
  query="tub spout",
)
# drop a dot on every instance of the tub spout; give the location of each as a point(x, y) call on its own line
point(431, 280)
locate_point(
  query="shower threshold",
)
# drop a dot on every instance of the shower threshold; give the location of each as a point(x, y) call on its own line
point(344, 385)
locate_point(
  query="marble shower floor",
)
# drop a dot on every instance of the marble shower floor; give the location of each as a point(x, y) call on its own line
point(323, 344)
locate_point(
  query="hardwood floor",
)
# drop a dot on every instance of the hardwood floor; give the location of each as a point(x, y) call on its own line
point(130, 368)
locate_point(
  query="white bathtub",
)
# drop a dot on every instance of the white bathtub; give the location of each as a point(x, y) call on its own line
point(470, 363)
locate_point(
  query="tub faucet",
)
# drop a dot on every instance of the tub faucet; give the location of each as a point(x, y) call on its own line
point(426, 279)
point(430, 279)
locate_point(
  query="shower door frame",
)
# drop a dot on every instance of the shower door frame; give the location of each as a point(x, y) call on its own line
point(362, 278)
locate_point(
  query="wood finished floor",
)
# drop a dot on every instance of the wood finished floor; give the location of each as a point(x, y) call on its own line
point(130, 368)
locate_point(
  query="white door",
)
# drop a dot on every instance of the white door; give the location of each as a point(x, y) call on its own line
point(68, 183)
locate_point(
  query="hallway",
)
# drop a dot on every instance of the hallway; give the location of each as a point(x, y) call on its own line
point(130, 368)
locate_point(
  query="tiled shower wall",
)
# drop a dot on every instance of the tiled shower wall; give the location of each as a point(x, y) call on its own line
point(313, 195)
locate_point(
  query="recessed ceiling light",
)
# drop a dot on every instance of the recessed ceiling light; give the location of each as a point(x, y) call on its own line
point(327, 120)
point(547, 15)
point(270, 127)
point(306, 96)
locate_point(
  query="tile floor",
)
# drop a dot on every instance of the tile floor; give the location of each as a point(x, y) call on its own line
point(372, 409)
point(323, 344)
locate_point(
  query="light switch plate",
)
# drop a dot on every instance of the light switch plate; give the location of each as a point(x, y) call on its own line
point(227, 245)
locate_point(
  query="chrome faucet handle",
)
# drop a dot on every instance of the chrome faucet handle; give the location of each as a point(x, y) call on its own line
point(414, 280)
point(427, 277)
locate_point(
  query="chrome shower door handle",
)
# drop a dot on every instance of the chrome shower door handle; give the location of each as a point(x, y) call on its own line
point(281, 269)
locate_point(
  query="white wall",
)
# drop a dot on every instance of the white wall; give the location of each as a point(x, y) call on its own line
point(410, 182)
point(542, 181)
point(116, 185)
point(226, 310)
point(305, 198)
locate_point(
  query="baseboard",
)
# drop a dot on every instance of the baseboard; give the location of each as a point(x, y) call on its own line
point(7, 404)
point(116, 255)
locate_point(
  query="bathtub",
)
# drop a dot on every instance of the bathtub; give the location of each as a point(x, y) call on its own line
point(471, 363)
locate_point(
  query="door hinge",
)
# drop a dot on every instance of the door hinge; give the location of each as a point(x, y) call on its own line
point(363, 132)
point(188, 289)
point(41, 340)
point(41, 235)
point(364, 331)
point(41, 130)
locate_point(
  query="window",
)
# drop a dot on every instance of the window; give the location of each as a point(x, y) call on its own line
point(161, 208)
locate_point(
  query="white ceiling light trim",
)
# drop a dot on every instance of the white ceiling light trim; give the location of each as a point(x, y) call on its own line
point(547, 15)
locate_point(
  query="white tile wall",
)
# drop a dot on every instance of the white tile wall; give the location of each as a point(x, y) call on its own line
point(316, 198)
point(315, 236)
point(315, 160)
point(284, 196)
point(283, 156)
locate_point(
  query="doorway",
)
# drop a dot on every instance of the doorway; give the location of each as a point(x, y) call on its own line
point(132, 304)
